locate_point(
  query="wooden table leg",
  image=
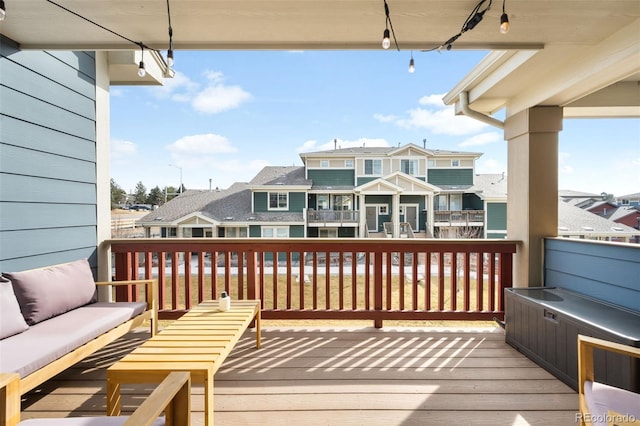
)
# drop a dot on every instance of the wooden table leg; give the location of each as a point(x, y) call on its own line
point(258, 337)
point(113, 398)
point(208, 400)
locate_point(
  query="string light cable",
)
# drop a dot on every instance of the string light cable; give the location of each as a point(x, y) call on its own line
point(474, 18)
point(170, 51)
point(141, 69)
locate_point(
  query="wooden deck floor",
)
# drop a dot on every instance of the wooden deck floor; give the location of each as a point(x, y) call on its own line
point(345, 376)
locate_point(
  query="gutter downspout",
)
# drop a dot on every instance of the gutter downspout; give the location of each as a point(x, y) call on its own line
point(463, 107)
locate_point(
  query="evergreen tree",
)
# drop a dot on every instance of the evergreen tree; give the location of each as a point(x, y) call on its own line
point(140, 194)
point(117, 195)
point(156, 196)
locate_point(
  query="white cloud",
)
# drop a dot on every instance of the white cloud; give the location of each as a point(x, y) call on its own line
point(122, 150)
point(214, 98)
point(435, 117)
point(215, 77)
point(482, 139)
point(219, 98)
point(434, 100)
point(205, 144)
point(180, 88)
point(312, 145)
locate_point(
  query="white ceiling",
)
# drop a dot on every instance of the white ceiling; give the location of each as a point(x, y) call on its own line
point(554, 49)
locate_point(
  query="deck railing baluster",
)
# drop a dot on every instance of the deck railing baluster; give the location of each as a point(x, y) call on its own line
point(386, 275)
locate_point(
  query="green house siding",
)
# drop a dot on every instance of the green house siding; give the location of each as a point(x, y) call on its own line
point(363, 180)
point(255, 231)
point(331, 177)
point(47, 157)
point(496, 216)
point(450, 176)
point(260, 202)
point(296, 231)
point(296, 201)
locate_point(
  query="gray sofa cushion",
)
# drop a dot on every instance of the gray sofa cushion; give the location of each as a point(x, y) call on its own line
point(46, 292)
point(11, 320)
point(47, 341)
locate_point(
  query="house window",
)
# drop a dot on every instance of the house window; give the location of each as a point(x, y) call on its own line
point(455, 202)
point(275, 232)
point(328, 233)
point(383, 209)
point(409, 167)
point(322, 202)
point(442, 203)
point(342, 202)
point(455, 163)
point(235, 232)
point(278, 200)
point(348, 164)
point(431, 163)
point(172, 232)
point(324, 163)
point(372, 167)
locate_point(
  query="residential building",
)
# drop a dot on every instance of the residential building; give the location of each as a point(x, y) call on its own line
point(351, 192)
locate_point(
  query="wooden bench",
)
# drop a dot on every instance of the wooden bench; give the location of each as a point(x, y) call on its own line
point(197, 342)
point(65, 281)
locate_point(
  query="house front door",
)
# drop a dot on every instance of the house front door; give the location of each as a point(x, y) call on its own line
point(372, 218)
point(411, 216)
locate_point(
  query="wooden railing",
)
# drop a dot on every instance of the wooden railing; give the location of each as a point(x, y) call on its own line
point(333, 216)
point(458, 217)
point(377, 279)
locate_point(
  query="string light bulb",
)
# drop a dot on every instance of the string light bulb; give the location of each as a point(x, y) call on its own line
point(170, 58)
point(504, 20)
point(504, 24)
point(386, 41)
point(3, 11)
point(412, 65)
point(141, 70)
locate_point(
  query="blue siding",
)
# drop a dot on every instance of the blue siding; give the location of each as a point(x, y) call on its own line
point(607, 272)
point(47, 157)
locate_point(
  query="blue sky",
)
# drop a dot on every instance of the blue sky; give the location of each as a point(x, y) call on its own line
point(228, 114)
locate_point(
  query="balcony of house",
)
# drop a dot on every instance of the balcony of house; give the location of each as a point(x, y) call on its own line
point(320, 218)
point(459, 217)
point(353, 371)
point(331, 375)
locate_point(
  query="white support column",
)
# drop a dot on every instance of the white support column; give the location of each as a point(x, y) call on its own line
point(363, 216)
point(395, 215)
point(532, 199)
point(103, 175)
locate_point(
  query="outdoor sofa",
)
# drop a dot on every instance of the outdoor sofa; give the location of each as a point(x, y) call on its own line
point(50, 319)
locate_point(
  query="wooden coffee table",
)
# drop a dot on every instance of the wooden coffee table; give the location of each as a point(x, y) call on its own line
point(197, 342)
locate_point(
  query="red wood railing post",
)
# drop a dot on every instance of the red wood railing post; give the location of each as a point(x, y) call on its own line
point(123, 273)
point(377, 287)
point(252, 275)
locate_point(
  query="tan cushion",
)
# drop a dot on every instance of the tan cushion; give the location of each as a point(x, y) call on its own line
point(11, 319)
point(47, 292)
